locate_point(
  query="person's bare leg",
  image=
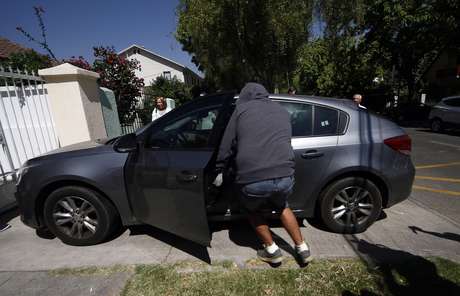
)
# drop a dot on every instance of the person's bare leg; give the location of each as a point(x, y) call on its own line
point(261, 228)
point(291, 225)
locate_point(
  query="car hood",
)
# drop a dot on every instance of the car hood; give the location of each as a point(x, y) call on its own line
point(78, 149)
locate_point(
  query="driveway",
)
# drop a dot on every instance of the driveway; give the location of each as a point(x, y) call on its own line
point(426, 224)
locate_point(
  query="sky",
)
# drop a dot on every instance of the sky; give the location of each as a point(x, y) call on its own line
point(74, 27)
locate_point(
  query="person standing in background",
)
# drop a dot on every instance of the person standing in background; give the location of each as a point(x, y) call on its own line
point(161, 108)
point(357, 98)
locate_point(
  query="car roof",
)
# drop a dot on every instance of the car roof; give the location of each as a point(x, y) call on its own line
point(340, 103)
point(451, 97)
point(334, 102)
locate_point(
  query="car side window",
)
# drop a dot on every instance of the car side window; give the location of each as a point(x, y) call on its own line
point(301, 118)
point(190, 131)
point(325, 121)
point(343, 122)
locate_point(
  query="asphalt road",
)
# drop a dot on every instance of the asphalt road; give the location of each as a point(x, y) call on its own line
point(437, 182)
point(427, 224)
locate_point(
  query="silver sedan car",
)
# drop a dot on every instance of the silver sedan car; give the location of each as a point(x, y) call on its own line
point(445, 114)
point(350, 163)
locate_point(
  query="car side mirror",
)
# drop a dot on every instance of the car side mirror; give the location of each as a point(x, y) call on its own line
point(126, 143)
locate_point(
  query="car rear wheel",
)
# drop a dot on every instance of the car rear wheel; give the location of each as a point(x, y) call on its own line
point(80, 216)
point(350, 205)
point(436, 125)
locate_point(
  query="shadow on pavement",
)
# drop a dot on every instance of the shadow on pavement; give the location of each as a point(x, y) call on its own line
point(182, 244)
point(401, 273)
point(242, 234)
point(445, 235)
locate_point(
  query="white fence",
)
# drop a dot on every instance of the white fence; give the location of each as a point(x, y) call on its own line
point(26, 125)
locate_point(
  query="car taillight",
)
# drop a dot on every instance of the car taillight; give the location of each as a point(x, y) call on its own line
point(401, 144)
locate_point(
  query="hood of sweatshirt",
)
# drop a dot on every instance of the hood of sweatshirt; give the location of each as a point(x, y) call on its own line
point(252, 91)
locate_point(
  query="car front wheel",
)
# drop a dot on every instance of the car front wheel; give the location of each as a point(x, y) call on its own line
point(80, 216)
point(350, 205)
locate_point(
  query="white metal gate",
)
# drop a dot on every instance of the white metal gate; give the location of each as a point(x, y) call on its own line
point(27, 129)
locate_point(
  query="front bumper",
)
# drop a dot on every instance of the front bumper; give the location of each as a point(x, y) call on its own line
point(26, 209)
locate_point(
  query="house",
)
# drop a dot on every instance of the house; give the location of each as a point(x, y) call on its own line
point(154, 65)
point(442, 78)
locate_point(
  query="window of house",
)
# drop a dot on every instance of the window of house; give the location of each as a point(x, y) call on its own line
point(167, 74)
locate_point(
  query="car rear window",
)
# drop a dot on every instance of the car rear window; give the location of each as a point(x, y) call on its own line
point(343, 122)
point(311, 120)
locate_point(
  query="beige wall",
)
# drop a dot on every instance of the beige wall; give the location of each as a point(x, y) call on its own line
point(75, 104)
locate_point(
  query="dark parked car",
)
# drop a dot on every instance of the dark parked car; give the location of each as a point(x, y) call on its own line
point(349, 165)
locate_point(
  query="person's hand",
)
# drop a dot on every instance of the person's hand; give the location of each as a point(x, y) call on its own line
point(219, 180)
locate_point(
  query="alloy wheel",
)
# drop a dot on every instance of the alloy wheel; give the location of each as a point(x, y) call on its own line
point(352, 206)
point(76, 217)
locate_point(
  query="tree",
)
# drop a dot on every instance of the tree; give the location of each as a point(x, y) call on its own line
point(79, 62)
point(413, 33)
point(29, 60)
point(237, 41)
point(393, 41)
point(161, 87)
point(337, 71)
point(43, 43)
point(118, 74)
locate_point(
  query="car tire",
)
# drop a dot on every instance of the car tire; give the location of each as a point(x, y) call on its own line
point(437, 125)
point(80, 216)
point(350, 205)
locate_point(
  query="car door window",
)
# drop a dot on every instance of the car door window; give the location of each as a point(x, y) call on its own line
point(325, 121)
point(301, 118)
point(190, 131)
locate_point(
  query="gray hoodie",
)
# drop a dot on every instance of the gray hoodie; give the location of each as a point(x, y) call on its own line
point(258, 135)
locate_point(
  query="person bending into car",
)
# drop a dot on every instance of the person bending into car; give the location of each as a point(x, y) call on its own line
point(258, 138)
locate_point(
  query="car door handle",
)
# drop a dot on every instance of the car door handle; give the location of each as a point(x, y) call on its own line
point(310, 154)
point(187, 177)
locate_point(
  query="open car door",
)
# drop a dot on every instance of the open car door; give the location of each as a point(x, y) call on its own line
point(167, 176)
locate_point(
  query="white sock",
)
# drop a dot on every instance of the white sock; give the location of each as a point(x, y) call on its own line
point(302, 247)
point(272, 248)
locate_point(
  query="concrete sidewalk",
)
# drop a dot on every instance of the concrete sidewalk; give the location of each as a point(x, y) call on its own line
point(43, 283)
point(432, 235)
point(25, 258)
